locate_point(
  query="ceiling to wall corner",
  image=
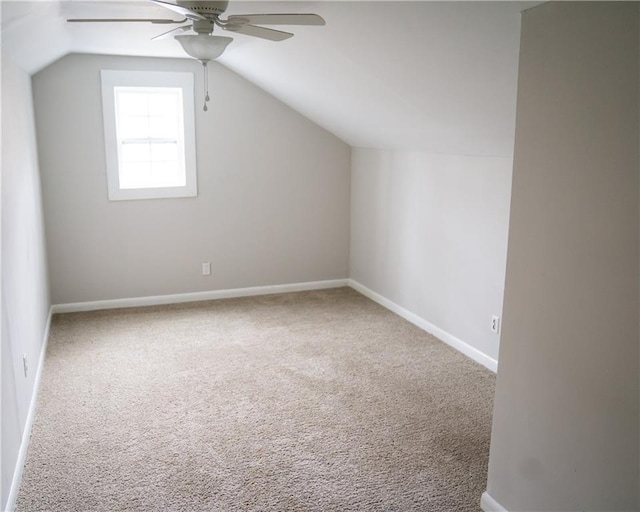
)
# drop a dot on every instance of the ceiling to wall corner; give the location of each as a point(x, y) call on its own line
point(426, 76)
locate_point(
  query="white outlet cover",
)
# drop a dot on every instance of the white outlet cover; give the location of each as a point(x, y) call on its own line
point(495, 324)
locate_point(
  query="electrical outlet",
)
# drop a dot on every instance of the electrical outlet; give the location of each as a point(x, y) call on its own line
point(24, 364)
point(495, 324)
point(206, 269)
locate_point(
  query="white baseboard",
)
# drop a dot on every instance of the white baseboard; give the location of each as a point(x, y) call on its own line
point(26, 433)
point(155, 300)
point(488, 504)
point(449, 339)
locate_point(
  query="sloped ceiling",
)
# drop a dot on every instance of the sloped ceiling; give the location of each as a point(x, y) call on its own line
point(425, 76)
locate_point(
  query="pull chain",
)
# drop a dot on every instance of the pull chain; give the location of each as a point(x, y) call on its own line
point(206, 85)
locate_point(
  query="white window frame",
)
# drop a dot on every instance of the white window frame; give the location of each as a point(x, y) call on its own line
point(112, 79)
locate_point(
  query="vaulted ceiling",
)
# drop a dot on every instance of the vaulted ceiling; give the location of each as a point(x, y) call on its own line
point(425, 76)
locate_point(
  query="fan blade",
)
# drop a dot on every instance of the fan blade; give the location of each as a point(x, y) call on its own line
point(124, 20)
point(180, 10)
point(177, 29)
point(264, 33)
point(277, 19)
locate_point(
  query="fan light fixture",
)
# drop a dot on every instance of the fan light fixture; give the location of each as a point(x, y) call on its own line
point(203, 47)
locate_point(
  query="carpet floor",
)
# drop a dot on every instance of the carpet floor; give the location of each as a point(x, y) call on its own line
point(311, 401)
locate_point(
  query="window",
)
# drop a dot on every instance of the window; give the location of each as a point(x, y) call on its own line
point(149, 134)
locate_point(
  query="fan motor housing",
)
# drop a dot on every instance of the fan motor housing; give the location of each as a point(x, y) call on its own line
point(205, 7)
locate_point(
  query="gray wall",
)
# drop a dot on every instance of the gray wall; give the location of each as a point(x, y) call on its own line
point(25, 293)
point(272, 208)
point(429, 232)
point(565, 434)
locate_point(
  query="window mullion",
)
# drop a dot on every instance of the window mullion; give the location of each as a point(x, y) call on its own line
point(152, 140)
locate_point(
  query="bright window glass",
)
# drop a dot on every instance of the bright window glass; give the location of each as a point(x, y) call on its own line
point(150, 133)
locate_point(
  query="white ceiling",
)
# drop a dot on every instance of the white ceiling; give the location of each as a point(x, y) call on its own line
point(425, 76)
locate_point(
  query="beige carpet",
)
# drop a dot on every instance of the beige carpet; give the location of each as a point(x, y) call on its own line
point(319, 401)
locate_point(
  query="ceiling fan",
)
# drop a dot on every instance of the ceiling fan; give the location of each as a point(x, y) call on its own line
point(202, 16)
